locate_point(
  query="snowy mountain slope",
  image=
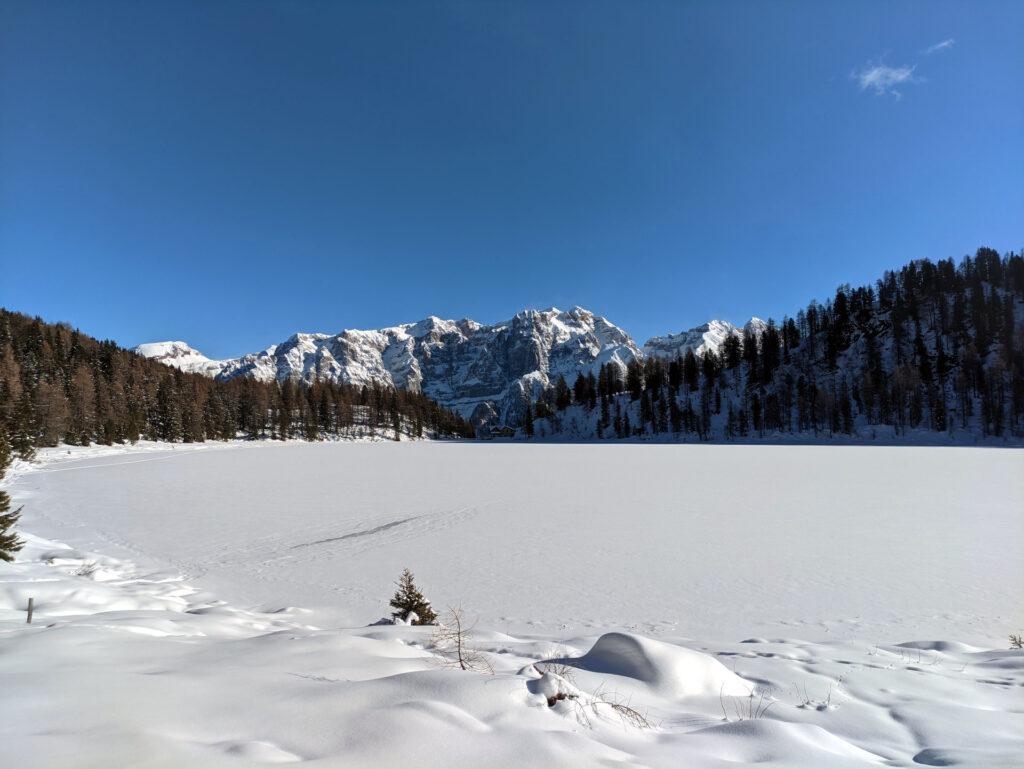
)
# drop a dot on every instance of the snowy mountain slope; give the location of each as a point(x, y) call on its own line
point(711, 336)
point(486, 372)
point(181, 356)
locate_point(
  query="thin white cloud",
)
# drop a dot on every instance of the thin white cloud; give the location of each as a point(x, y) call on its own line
point(883, 79)
point(939, 47)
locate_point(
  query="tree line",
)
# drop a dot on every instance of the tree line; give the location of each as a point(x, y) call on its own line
point(932, 346)
point(60, 385)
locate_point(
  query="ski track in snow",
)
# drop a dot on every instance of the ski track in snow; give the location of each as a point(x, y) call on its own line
point(355, 534)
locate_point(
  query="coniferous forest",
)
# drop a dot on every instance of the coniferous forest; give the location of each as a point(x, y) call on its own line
point(60, 385)
point(931, 347)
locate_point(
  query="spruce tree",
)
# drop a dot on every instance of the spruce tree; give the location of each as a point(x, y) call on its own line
point(5, 451)
point(9, 542)
point(690, 370)
point(408, 600)
point(563, 395)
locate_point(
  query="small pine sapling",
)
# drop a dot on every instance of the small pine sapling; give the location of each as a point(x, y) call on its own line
point(409, 600)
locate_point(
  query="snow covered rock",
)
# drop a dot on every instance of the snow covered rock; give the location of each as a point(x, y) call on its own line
point(672, 671)
point(553, 688)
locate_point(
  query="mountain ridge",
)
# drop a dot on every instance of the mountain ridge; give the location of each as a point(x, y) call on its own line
point(486, 372)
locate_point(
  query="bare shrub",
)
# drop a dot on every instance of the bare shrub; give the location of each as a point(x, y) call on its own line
point(750, 708)
point(87, 569)
point(558, 669)
point(452, 639)
point(587, 707)
point(620, 706)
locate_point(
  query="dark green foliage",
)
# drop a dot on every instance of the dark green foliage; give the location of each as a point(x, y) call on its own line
point(634, 380)
point(408, 599)
point(5, 452)
point(690, 370)
point(563, 395)
point(9, 542)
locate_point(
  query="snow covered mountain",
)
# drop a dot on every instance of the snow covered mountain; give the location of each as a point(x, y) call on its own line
point(483, 372)
point(181, 356)
point(710, 336)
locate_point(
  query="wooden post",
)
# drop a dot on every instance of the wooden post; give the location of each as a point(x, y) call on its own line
point(31, 606)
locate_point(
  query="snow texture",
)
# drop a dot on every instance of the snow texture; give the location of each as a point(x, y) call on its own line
point(755, 604)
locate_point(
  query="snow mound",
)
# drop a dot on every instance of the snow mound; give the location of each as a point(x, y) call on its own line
point(941, 646)
point(257, 751)
point(673, 671)
point(768, 741)
point(963, 757)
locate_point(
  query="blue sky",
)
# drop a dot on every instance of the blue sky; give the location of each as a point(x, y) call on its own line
point(229, 173)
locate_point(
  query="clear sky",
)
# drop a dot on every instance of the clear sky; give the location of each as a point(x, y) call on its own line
point(230, 173)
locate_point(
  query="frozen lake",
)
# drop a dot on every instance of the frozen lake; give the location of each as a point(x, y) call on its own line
point(726, 542)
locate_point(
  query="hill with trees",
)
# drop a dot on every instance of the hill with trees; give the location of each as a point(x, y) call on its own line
point(58, 384)
point(932, 348)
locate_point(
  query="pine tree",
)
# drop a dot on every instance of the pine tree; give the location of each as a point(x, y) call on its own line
point(409, 600)
point(21, 437)
point(9, 542)
point(563, 395)
point(732, 352)
point(634, 380)
point(5, 451)
point(690, 370)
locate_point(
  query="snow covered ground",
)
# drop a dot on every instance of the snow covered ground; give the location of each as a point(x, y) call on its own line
point(862, 596)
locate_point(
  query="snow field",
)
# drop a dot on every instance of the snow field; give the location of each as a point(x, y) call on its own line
point(129, 663)
point(716, 542)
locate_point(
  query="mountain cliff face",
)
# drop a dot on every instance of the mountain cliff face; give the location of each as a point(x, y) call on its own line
point(487, 373)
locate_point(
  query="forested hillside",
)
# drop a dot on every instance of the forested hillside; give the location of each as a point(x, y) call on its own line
point(932, 347)
point(58, 384)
